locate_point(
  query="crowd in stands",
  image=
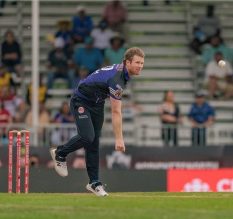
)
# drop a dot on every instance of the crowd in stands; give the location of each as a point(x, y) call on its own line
point(10, 72)
point(79, 47)
point(209, 45)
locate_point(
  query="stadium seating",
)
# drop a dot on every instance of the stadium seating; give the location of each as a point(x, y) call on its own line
point(164, 34)
point(224, 12)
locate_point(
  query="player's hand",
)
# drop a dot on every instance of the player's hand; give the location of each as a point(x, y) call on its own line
point(120, 145)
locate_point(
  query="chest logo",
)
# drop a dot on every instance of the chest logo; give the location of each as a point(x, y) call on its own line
point(81, 109)
point(118, 92)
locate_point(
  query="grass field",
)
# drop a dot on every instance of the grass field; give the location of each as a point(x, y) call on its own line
point(117, 205)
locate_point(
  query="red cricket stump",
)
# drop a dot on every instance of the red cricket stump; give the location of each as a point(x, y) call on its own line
point(10, 161)
point(19, 134)
point(18, 161)
point(26, 170)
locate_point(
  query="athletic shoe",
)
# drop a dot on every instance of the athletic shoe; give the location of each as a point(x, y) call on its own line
point(60, 166)
point(96, 188)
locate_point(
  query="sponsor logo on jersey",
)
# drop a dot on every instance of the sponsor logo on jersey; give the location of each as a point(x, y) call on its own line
point(81, 109)
point(118, 92)
point(83, 117)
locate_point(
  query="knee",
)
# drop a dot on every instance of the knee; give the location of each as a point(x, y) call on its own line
point(88, 139)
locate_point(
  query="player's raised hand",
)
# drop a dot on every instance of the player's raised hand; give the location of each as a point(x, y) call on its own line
point(120, 145)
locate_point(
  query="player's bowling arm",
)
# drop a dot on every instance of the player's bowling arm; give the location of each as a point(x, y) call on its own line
point(116, 117)
point(117, 123)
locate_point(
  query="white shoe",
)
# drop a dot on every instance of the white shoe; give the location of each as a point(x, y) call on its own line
point(97, 189)
point(60, 167)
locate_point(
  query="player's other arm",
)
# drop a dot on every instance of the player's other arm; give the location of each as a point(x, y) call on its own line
point(117, 124)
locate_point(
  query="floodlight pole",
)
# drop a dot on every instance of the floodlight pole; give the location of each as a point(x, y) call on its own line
point(35, 69)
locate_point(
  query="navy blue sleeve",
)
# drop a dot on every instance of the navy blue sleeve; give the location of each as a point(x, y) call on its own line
point(115, 90)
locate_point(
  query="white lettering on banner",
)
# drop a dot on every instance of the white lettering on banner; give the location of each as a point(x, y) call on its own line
point(196, 185)
point(203, 180)
point(150, 165)
point(225, 185)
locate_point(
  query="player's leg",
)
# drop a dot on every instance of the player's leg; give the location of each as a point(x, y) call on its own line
point(85, 132)
point(92, 157)
point(85, 136)
point(92, 151)
point(92, 165)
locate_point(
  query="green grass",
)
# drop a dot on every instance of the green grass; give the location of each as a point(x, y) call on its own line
point(118, 205)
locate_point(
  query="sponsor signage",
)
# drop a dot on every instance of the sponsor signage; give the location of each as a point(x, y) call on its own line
point(143, 165)
point(211, 180)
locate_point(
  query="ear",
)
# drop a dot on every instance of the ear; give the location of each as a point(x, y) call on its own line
point(127, 62)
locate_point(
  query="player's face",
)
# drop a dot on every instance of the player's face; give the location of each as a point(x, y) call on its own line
point(170, 96)
point(135, 66)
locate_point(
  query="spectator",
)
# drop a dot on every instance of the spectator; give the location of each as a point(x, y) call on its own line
point(82, 25)
point(10, 99)
point(207, 27)
point(115, 53)
point(88, 56)
point(80, 73)
point(210, 23)
point(5, 118)
point(42, 92)
point(64, 31)
point(44, 119)
point(58, 64)
point(217, 45)
point(11, 53)
point(115, 13)
point(170, 117)
point(218, 78)
point(5, 78)
point(64, 116)
point(21, 112)
point(102, 35)
point(201, 116)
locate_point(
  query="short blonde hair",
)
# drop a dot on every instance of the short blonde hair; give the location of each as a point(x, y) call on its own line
point(131, 52)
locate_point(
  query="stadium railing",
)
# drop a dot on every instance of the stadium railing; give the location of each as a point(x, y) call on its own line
point(142, 135)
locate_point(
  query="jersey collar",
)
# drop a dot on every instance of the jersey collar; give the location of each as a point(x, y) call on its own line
point(126, 74)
